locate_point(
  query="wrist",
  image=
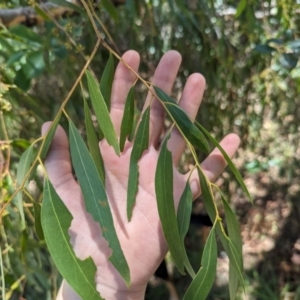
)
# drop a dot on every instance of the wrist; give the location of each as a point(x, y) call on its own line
point(107, 292)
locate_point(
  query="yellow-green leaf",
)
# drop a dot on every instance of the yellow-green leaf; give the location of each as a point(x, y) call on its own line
point(101, 112)
point(127, 120)
point(93, 142)
point(202, 283)
point(56, 221)
point(182, 121)
point(107, 79)
point(234, 170)
point(241, 7)
point(139, 146)
point(165, 204)
point(95, 198)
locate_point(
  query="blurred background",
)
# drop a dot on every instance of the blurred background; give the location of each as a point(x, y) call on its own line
point(248, 51)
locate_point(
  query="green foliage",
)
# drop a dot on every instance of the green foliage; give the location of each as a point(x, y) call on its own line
point(249, 57)
point(141, 143)
point(56, 220)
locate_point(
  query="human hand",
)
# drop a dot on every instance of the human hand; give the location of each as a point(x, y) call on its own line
point(141, 239)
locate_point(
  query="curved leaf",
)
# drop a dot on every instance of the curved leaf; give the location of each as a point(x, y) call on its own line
point(191, 132)
point(56, 221)
point(183, 219)
point(201, 285)
point(107, 79)
point(234, 170)
point(127, 120)
point(139, 146)
point(93, 142)
point(101, 112)
point(95, 198)
point(165, 204)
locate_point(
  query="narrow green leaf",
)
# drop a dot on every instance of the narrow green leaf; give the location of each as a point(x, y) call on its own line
point(183, 122)
point(235, 256)
point(41, 13)
point(127, 120)
point(24, 165)
point(165, 204)
point(56, 221)
point(234, 170)
point(3, 296)
point(110, 8)
point(70, 5)
point(201, 285)
point(107, 79)
point(139, 146)
point(37, 221)
point(101, 112)
point(183, 219)
point(95, 198)
point(49, 137)
point(241, 7)
point(235, 236)
point(93, 142)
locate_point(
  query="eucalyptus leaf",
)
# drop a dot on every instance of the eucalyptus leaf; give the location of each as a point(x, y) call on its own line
point(183, 219)
point(139, 146)
point(56, 221)
point(110, 8)
point(107, 79)
point(101, 112)
point(202, 283)
point(37, 221)
point(165, 204)
point(128, 117)
point(183, 122)
point(234, 170)
point(235, 256)
point(235, 236)
point(93, 142)
point(49, 137)
point(24, 165)
point(95, 198)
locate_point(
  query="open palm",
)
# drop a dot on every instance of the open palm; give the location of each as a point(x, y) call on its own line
point(141, 239)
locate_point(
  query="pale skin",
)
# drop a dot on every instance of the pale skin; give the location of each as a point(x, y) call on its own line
point(142, 239)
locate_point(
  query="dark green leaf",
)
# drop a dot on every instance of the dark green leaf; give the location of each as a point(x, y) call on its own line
point(26, 33)
point(235, 257)
point(21, 80)
point(95, 198)
point(102, 113)
point(24, 165)
point(49, 137)
point(202, 283)
point(37, 221)
point(56, 221)
point(110, 8)
point(15, 57)
point(264, 49)
point(235, 236)
point(37, 63)
point(139, 146)
point(234, 170)
point(288, 60)
point(183, 219)
point(241, 7)
point(183, 122)
point(165, 204)
point(93, 142)
point(127, 120)
point(107, 80)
